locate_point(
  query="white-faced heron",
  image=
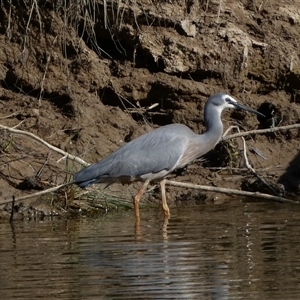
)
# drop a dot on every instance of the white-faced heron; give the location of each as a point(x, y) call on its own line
point(153, 155)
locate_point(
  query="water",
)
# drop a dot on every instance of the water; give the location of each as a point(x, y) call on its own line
point(237, 250)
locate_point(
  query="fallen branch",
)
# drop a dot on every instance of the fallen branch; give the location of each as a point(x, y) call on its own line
point(231, 191)
point(65, 154)
point(174, 183)
point(53, 189)
point(260, 131)
point(10, 116)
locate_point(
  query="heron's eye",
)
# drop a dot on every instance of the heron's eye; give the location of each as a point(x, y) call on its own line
point(229, 100)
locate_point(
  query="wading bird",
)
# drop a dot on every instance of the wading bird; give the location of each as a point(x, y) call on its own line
point(154, 155)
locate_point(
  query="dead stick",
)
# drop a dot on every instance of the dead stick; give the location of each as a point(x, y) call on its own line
point(39, 173)
point(10, 116)
point(231, 191)
point(65, 154)
point(53, 189)
point(261, 131)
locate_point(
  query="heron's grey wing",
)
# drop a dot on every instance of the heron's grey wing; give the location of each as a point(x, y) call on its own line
point(152, 156)
point(153, 152)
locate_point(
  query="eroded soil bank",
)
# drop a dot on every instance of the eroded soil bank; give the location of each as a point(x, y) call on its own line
point(88, 76)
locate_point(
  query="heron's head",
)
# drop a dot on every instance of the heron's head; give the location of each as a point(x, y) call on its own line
point(217, 102)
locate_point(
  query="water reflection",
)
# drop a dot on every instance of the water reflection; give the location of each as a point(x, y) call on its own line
point(238, 250)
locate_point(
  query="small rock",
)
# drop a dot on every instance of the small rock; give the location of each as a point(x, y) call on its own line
point(189, 28)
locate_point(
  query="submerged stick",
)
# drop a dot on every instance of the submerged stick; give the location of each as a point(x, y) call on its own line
point(12, 209)
point(231, 191)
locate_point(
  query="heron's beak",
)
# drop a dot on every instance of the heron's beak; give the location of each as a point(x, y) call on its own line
point(244, 107)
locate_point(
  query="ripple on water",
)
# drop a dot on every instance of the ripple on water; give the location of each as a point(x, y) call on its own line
point(236, 250)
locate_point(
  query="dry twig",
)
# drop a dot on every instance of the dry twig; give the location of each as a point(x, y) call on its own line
point(249, 167)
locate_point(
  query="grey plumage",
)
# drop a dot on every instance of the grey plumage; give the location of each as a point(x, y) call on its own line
point(159, 150)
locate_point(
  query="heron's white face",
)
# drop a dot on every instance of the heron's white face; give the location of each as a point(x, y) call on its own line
point(222, 101)
point(229, 102)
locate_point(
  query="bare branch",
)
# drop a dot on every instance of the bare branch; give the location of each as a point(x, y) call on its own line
point(261, 131)
point(10, 116)
point(25, 133)
point(231, 191)
point(53, 189)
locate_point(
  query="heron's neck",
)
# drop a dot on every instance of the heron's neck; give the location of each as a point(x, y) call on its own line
point(214, 129)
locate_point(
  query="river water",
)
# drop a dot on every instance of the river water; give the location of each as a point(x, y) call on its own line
point(236, 250)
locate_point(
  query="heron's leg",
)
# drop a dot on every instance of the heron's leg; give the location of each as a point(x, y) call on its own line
point(164, 199)
point(137, 197)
